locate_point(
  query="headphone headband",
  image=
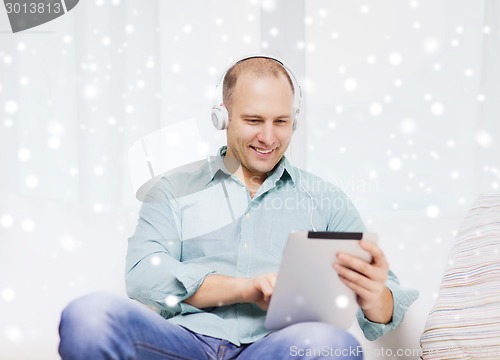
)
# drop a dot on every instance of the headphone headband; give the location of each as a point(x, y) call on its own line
point(220, 116)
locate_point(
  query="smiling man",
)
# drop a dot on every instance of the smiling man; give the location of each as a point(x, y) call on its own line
point(209, 242)
point(260, 130)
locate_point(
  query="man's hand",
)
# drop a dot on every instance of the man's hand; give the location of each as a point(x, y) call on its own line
point(258, 290)
point(367, 280)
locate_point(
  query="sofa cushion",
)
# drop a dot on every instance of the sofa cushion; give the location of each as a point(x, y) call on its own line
point(465, 320)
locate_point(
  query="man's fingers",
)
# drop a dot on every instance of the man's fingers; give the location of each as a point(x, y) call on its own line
point(361, 292)
point(356, 264)
point(376, 270)
point(375, 251)
point(272, 279)
point(355, 277)
point(266, 284)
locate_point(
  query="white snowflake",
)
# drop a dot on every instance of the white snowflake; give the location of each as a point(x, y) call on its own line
point(364, 9)
point(24, 154)
point(129, 28)
point(408, 126)
point(69, 243)
point(484, 139)
point(90, 91)
point(395, 164)
point(14, 334)
point(28, 225)
point(342, 301)
point(431, 45)
point(6, 220)
point(31, 182)
point(54, 142)
point(350, 84)
point(432, 211)
point(8, 294)
point(437, 109)
point(171, 300)
point(155, 260)
point(395, 58)
point(67, 39)
point(97, 207)
point(274, 31)
point(106, 40)
point(375, 109)
point(11, 107)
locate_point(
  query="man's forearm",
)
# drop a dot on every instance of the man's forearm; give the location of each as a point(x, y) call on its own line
point(217, 290)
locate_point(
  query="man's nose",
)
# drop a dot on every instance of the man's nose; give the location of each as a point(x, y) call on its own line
point(266, 134)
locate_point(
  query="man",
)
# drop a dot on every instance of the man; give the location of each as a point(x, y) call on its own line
point(209, 241)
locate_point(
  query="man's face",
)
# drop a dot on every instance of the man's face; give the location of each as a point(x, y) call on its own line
point(260, 126)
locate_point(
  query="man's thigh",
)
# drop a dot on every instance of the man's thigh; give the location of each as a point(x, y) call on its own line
point(161, 339)
point(106, 323)
point(309, 340)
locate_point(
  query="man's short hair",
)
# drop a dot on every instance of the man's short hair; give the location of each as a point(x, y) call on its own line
point(259, 66)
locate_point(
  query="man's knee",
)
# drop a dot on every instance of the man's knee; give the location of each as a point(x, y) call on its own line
point(86, 321)
point(90, 310)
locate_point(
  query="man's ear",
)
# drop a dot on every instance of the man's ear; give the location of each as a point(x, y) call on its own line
point(228, 114)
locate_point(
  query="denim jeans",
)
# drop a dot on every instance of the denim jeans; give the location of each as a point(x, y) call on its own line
point(107, 326)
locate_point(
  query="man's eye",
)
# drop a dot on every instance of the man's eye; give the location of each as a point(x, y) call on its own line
point(252, 121)
point(281, 122)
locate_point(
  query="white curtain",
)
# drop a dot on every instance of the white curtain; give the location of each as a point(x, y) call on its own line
point(399, 110)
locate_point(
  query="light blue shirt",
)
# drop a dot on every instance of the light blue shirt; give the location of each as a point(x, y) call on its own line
point(202, 220)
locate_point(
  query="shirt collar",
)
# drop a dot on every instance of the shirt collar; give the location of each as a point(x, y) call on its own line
point(283, 170)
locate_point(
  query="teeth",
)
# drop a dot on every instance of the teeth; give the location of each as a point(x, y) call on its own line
point(263, 151)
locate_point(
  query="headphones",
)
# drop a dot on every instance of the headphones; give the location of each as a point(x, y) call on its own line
point(220, 116)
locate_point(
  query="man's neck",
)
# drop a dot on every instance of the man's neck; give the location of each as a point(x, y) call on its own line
point(252, 181)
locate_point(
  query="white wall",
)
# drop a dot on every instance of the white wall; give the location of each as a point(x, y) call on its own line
point(397, 108)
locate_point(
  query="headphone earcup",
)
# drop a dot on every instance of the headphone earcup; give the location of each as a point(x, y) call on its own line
point(220, 117)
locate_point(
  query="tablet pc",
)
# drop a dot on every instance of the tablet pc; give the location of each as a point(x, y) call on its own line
point(307, 287)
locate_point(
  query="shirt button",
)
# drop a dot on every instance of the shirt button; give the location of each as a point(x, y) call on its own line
point(247, 215)
point(245, 245)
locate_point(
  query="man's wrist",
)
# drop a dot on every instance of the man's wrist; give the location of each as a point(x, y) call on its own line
point(381, 313)
point(244, 289)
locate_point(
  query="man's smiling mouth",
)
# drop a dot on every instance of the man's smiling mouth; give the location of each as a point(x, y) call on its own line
point(262, 151)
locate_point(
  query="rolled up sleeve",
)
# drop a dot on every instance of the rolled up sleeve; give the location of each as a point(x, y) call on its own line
point(155, 274)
